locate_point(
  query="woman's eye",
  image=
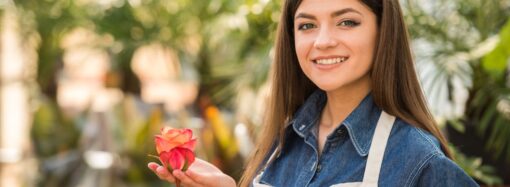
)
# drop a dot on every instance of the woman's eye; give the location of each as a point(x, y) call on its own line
point(306, 26)
point(348, 23)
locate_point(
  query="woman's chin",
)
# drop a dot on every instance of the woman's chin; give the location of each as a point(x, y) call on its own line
point(327, 87)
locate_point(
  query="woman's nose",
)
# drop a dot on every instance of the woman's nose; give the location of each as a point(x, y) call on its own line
point(325, 39)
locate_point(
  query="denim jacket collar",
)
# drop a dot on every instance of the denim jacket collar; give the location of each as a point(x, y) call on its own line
point(360, 124)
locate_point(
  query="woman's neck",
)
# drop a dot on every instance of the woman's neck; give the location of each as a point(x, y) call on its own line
point(341, 102)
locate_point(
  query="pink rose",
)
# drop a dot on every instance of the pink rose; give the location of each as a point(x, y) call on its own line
point(175, 148)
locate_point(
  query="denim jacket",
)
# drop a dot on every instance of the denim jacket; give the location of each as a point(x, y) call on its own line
point(412, 156)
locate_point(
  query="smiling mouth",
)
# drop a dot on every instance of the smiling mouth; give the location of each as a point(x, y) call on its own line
point(328, 61)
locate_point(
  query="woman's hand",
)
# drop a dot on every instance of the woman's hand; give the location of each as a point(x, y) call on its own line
point(200, 173)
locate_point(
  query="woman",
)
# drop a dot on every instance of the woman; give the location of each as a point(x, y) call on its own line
point(346, 108)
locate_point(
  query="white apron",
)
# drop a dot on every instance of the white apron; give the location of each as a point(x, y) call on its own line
point(374, 160)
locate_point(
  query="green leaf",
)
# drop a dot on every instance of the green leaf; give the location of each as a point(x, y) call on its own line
point(487, 117)
point(457, 125)
point(186, 165)
point(496, 61)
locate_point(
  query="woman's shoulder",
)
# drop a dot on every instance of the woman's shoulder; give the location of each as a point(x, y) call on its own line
point(420, 153)
point(411, 147)
point(414, 139)
point(442, 171)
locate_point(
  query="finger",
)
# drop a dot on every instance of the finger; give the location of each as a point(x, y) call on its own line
point(161, 173)
point(164, 174)
point(198, 178)
point(153, 166)
point(185, 180)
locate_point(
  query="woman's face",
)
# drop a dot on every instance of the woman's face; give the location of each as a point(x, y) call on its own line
point(335, 41)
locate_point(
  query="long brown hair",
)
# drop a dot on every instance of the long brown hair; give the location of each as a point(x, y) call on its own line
point(395, 85)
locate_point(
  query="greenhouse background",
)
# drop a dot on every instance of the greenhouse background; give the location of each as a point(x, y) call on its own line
point(86, 84)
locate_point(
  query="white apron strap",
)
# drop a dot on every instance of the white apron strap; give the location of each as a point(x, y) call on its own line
point(376, 152)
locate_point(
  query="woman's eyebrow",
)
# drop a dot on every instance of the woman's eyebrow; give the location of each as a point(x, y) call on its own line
point(305, 15)
point(334, 14)
point(344, 11)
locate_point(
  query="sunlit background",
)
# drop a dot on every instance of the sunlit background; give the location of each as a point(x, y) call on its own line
point(86, 84)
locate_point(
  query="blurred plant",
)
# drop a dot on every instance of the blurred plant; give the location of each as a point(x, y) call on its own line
point(473, 167)
point(54, 138)
point(226, 42)
point(463, 63)
point(219, 140)
point(62, 145)
point(450, 38)
point(490, 104)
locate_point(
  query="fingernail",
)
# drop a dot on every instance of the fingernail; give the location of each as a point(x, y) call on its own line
point(159, 169)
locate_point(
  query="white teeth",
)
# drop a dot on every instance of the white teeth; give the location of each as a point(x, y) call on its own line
point(331, 60)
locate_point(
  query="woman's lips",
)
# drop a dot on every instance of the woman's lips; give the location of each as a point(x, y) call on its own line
point(329, 61)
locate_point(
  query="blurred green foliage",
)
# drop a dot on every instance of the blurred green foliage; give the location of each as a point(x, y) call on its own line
point(474, 167)
point(226, 42)
point(221, 39)
point(465, 43)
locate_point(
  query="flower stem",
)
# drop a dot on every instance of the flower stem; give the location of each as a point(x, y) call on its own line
point(177, 183)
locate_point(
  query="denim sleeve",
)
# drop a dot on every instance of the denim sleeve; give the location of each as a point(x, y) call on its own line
point(441, 171)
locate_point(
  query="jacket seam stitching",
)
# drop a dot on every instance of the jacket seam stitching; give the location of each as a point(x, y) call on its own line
point(419, 168)
point(429, 140)
point(359, 149)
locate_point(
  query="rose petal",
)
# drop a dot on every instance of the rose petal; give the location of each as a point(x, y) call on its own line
point(164, 145)
point(189, 145)
point(177, 159)
point(164, 130)
point(171, 133)
point(161, 144)
point(188, 133)
point(184, 136)
point(189, 156)
point(164, 157)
